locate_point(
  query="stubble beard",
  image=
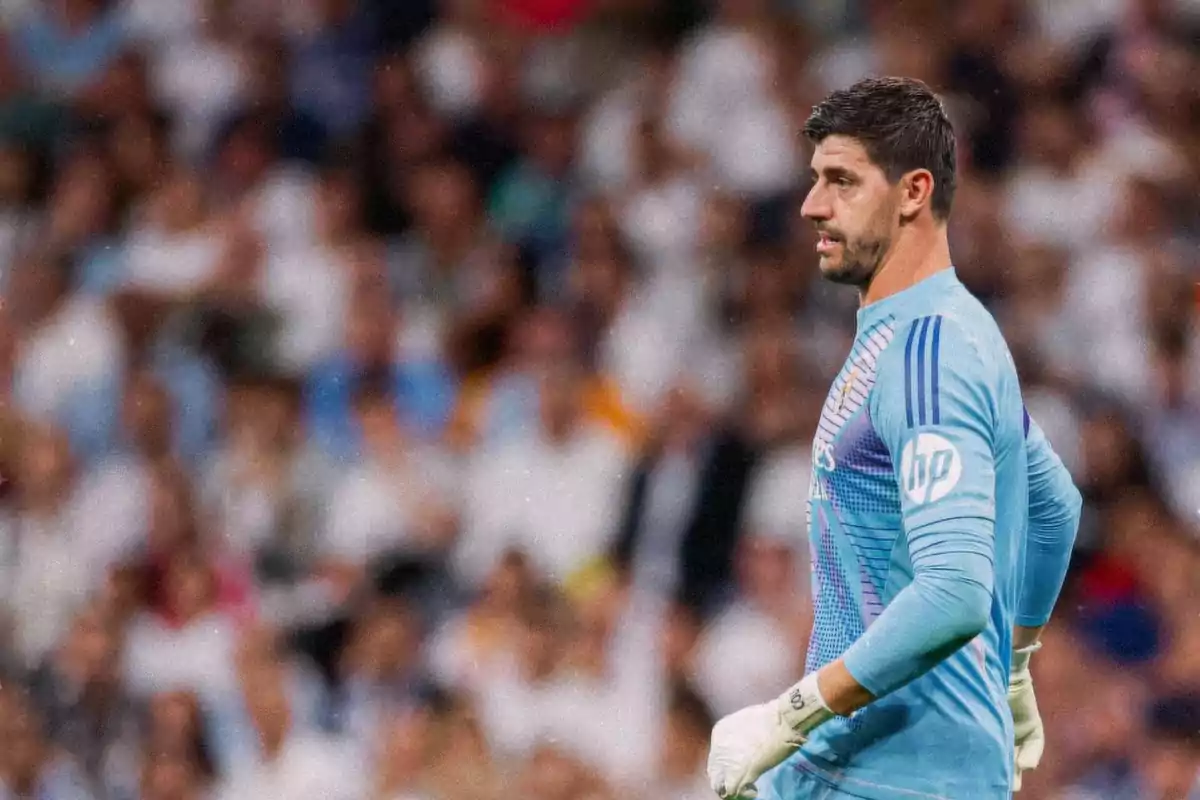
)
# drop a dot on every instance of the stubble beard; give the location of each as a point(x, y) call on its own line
point(863, 255)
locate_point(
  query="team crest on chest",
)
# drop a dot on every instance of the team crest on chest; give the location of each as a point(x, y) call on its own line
point(847, 385)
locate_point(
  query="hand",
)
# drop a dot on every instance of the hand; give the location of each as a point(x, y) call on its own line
point(750, 742)
point(747, 744)
point(1028, 733)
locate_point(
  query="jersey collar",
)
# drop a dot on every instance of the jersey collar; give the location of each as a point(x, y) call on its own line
point(896, 304)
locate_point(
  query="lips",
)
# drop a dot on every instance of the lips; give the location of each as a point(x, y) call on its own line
point(826, 242)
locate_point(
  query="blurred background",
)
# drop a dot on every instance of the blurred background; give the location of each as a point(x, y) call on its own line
point(412, 399)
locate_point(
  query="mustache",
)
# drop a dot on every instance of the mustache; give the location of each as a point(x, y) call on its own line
point(830, 233)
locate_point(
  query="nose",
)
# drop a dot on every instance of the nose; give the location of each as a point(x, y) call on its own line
point(816, 205)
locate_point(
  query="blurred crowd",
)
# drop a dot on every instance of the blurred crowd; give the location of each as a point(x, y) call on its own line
point(412, 400)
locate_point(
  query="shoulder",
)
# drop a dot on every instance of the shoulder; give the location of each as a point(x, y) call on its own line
point(922, 347)
point(934, 342)
point(934, 359)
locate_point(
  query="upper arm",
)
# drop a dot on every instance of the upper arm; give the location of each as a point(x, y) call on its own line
point(934, 409)
point(1054, 508)
point(1053, 497)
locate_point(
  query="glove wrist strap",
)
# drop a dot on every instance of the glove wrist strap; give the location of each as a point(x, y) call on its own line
point(1020, 658)
point(802, 707)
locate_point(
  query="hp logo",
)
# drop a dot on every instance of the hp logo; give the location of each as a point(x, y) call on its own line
point(929, 468)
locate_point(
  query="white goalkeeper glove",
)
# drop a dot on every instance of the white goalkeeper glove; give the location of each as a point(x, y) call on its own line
point(1028, 733)
point(748, 743)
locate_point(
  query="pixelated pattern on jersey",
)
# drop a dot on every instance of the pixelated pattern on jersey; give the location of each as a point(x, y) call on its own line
point(866, 501)
point(836, 621)
point(852, 481)
point(864, 482)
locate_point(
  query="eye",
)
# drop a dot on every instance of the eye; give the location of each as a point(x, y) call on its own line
point(843, 181)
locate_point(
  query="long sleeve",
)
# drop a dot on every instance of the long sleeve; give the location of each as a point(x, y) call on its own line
point(1054, 508)
point(945, 606)
point(934, 406)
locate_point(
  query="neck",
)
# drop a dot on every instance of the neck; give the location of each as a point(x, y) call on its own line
point(40, 506)
point(558, 434)
point(684, 767)
point(913, 258)
point(272, 742)
point(397, 779)
point(24, 783)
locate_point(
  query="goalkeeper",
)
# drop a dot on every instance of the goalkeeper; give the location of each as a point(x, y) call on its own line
point(941, 522)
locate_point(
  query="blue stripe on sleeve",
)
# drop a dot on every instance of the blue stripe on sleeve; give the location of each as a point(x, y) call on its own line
point(912, 332)
point(937, 335)
point(921, 370)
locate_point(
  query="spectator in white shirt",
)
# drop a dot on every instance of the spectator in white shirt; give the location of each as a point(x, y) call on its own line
point(612, 674)
point(254, 183)
point(722, 69)
point(758, 641)
point(48, 579)
point(114, 495)
point(192, 645)
point(662, 213)
point(517, 701)
point(553, 492)
point(469, 646)
point(640, 332)
point(174, 249)
point(291, 760)
point(400, 495)
point(1110, 300)
point(264, 490)
point(71, 356)
point(723, 102)
point(312, 285)
point(450, 269)
point(199, 75)
point(1060, 192)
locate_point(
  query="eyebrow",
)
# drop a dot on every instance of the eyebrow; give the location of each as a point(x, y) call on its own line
point(832, 172)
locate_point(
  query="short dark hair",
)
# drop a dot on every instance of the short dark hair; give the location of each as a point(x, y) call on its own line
point(902, 125)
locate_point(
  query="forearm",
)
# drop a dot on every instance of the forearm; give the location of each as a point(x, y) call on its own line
point(1055, 506)
point(841, 691)
point(919, 633)
point(1047, 557)
point(844, 694)
point(946, 605)
point(929, 620)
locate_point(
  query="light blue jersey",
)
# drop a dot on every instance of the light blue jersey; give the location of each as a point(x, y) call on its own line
point(918, 515)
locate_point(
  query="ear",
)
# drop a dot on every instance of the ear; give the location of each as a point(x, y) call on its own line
point(916, 193)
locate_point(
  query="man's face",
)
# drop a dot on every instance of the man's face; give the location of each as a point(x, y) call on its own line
point(854, 207)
